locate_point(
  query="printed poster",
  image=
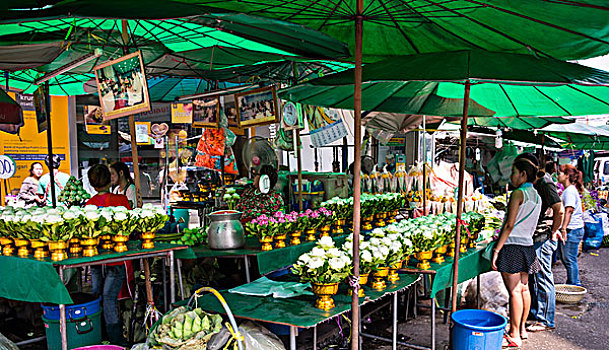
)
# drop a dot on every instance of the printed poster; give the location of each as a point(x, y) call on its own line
point(181, 113)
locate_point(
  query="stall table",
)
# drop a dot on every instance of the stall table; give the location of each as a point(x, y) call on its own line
point(299, 312)
point(34, 280)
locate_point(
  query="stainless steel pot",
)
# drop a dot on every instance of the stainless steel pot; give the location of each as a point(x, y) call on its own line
point(225, 230)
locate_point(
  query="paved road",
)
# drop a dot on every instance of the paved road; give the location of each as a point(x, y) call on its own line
point(581, 327)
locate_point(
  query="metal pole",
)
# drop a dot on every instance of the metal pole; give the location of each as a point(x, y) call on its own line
point(357, 167)
point(424, 171)
point(315, 337)
point(47, 107)
point(172, 277)
point(63, 329)
point(433, 323)
point(299, 163)
point(180, 282)
point(460, 195)
point(394, 343)
point(149, 298)
point(293, 332)
point(247, 269)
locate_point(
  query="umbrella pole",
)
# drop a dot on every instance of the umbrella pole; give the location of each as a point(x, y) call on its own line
point(357, 167)
point(47, 106)
point(424, 170)
point(460, 195)
point(299, 163)
point(136, 165)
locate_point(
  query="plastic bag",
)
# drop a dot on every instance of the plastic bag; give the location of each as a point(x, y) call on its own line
point(593, 233)
point(6, 344)
point(256, 338)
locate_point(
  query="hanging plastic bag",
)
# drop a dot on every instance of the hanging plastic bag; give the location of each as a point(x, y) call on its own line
point(593, 233)
point(284, 140)
point(256, 338)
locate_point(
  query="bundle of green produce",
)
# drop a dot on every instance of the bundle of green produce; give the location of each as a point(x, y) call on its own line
point(73, 193)
point(181, 329)
point(191, 237)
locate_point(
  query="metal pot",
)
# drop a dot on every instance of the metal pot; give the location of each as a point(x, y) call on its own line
point(225, 230)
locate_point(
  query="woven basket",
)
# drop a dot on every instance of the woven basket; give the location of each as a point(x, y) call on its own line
point(569, 294)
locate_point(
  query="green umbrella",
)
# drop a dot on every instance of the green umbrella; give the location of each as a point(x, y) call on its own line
point(559, 29)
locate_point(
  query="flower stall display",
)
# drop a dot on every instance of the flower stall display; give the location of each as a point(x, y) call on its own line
point(324, 267)
point(74, 226)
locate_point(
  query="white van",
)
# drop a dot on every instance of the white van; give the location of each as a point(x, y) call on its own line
point(601, 171)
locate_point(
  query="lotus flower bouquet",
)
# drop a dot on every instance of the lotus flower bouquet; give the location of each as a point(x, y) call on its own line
point(149, 218)
point(325, 263)
point(342, 208)
point(371, 256)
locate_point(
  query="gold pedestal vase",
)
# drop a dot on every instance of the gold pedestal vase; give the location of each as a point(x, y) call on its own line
point(295, 238)
point(7, 246)
point(378, 276)
point(363, 280)
point(325, 231)
point(148, 240)
point(75, 248)
point(58, 250)
point(423, 258)
point(324, 293)
point(39, 251)
point(393, 272)
point(106, 242)
point(405, 261)
point(439, 258)
point(451, 250)
point(463, 247)
point(391, 217)
point(338, 226)
point(367, 223)
point(266, 243)
point(89, 247)
point(380, 219)
point(310, 235)
point(120, 243)
point(280, 240)
point(472, 240)
point(22, 245)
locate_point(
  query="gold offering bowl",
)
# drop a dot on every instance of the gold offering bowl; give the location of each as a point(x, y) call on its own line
point(439, 258)
point(310, 235)
point(90, 246)
point(423, 258)
point(379, 283)
point(325, 230)
point(148, 240)
point(295, 238)
point(58, 250)
point(266, 243)
point(363, 279)
point(120, 243)
point(75, 248)
point(106, 241)
point(22, 244)
point(280, 240)
point(324, 293)
point(393, 272)
point(7, 246)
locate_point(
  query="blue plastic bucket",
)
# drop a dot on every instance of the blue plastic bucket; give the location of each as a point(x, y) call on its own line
point(84, 304)
point(477, 330)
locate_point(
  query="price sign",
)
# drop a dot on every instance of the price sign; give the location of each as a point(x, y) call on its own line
point(7, 167)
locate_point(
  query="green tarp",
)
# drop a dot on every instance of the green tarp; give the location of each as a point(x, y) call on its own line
point(298, 311)
point(28, 279)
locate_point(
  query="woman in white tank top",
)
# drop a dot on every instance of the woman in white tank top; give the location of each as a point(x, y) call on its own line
point(514, 255)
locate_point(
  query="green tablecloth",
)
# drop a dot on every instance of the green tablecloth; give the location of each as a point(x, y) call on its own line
point(471, 264)
point(32, 280)
point(267, 261)
point(298, 311)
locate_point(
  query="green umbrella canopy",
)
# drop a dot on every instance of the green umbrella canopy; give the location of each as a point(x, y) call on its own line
point(559, 29)
point(171, 35)
point(510, 85)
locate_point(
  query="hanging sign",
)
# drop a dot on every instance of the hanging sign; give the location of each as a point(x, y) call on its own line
point(94, 121)
point(142, 132)
point(8, 167)
point(181, 113)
